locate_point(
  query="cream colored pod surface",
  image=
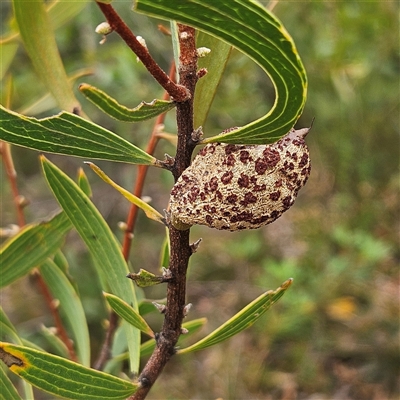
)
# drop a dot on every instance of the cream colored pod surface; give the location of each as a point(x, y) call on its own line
point(233, 187)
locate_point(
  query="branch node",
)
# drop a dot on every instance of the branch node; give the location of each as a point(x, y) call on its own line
point(187, 308)
point(197, 135)
point(162, 308)
point(195, 246)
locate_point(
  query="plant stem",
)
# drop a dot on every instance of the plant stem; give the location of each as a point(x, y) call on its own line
point(130, 223)
point(179, 240)
point(177, 92)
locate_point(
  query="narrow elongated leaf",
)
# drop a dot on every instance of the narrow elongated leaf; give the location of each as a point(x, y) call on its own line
point(57, 346)
point(249, 27)
point(62, 377)
point(242, 320)
point(70, 307)
point(46, 101)
point(125, 311)
point(206, 87)
point(69, 134)
point(115, 110)
point(31, 247)
point(37, 34)
point(83, 183)
point(8, 391)
point(100, 241)
point(150, 212)
point(8, 51)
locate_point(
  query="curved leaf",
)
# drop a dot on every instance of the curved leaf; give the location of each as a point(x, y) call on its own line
point(150, 212)
point(253, 30)
point(69, 134)
point(31, 247)
point(242, 320)
point(125, 311)
point(62, 377)
point(115, 110)
point(70, 306)
point(102, 244)
point(37, 34)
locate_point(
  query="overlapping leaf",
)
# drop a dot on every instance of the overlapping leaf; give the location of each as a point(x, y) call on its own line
point(206, 87)
point(39, 241)
point(126, 312)
point(115, 110)
point(102, 244)
point(148, 210)
point(37, 34)
point(242, 320)
point(8, 391)
point(70, 306)
point(252, 29)
point(62, 377)
point(69, 134)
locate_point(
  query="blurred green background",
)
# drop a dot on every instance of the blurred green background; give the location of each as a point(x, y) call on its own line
point(335, 333)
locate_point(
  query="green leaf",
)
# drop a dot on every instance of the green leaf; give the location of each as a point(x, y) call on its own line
point(7, 51)
point(253, 30)
point(70, 307)
point(99, 239)
point(150, 212)
point(31, 247)
point(206, 87)
point(242, 320)
point(165, 250)
point(145, 278)
point(192, 326)
point(7, 330)
point(69, 134)
point(46, 102)
point(57, 346)
point(125, 311)
point(8, 391)
point(83, 183)
point(115, 110)
point(62, 377)
point(37, 34)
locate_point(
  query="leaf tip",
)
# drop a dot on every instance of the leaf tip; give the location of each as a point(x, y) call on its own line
point(285, 285)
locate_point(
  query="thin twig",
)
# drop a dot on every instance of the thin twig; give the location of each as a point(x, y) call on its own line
point(177, 92)
point(5, 151)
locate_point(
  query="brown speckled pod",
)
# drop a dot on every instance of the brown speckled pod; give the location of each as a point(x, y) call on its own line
point(234, 187)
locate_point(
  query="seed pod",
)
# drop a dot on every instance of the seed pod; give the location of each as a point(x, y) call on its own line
point(233, 187)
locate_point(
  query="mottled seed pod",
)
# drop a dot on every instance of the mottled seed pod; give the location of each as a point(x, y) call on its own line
point(233, 187)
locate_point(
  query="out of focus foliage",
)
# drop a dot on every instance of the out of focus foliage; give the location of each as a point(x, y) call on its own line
point(336, 331)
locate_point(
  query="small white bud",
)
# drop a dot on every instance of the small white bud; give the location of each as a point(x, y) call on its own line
point(103, 29)
point(141, 40)
point(203, 51)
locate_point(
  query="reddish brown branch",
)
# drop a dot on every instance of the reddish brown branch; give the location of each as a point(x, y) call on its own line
point(179, 240)
point(177, 92)
point(53, 306)
point(5, 151)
